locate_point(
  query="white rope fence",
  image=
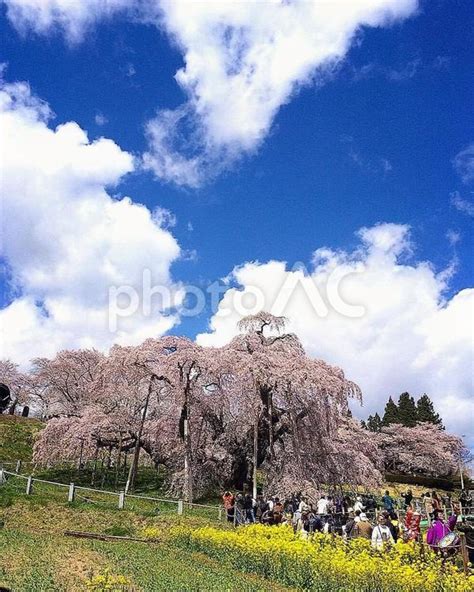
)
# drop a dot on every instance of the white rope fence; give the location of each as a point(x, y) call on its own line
point(80, 492)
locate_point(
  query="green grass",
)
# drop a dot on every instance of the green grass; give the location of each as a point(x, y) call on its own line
point(17, 437)
point(36, 556)
point(37, 562)
point(43, 494)
point(148, 482)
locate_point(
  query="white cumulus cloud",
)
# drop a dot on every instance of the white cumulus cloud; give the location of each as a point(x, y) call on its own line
point(242, 62)
point(407, 335)
point(66, 240)
point(73, 17)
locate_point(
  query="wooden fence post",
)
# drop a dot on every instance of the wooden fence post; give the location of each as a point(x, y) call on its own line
point(219, 513)
point(121, 500)
point(2, 477)
point(18, 466)
point(70, 496)
point(29, 485)
point(180, 507)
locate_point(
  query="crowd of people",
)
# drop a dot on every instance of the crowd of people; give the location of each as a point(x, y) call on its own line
point(383, 521)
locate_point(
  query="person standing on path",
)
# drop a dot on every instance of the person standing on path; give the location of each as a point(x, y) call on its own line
point(381, 535)
point(363, 528)
point(388, 502)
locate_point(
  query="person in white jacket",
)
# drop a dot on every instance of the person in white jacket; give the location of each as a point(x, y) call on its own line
point(303, 507)
point(381, 535)
point(322, 506)
point(359, 505)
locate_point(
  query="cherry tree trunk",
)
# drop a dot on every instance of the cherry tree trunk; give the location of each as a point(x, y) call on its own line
point(188, 469)
point(136, 455)
point(270, 424)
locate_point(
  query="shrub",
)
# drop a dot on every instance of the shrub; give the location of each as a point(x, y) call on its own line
point(325, 563)
point(108, 582)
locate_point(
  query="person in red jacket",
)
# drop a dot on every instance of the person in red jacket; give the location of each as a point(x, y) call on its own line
point(229, 505)
point(412, 525)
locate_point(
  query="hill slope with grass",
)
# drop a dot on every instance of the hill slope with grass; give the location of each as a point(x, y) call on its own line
point(35, 555)
point(17, 437)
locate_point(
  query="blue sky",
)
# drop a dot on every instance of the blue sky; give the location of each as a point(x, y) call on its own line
point(417, 123)
point(371, 142)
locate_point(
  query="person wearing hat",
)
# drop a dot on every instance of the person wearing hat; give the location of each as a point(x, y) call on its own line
point(381, 534)
point(439, 528)
point(363, 528)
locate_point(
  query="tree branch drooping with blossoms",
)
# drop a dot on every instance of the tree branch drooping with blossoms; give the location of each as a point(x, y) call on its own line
point(211, 416)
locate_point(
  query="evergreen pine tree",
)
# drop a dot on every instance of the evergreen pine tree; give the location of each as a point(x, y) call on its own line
point(391, 413)
point(374, 423)
point(377, 422)
point(425, 411)
point(407, 412)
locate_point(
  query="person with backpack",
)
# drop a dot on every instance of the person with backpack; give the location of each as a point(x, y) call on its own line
point(381, 535)
point(363, 528)
point(388, 502)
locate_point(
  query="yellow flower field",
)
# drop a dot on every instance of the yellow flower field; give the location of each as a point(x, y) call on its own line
point(323, 562)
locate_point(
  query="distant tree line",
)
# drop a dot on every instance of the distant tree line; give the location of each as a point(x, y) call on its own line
point(407, 413)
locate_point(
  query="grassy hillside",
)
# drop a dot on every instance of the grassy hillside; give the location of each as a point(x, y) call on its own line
point(36, 556)
point(17, 437)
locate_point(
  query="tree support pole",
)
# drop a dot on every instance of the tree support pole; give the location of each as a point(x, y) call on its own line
point(136, 454)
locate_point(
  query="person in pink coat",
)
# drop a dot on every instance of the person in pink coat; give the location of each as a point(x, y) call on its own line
point(439, 528)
